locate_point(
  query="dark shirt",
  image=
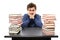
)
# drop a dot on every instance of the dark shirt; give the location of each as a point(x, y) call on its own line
point(27, 22)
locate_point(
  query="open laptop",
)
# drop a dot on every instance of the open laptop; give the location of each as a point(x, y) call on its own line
point(31, 31)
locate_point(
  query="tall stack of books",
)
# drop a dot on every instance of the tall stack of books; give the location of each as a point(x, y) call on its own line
point(49, 24)
point(15, 21)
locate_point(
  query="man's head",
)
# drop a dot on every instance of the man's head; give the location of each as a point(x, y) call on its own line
point(31, 8)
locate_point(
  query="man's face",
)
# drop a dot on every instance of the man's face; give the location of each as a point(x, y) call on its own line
point(31, 11)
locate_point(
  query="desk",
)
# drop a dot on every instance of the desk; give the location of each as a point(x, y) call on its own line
point(33, 33)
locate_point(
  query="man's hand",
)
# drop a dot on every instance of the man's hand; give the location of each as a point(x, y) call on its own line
point(31, 16)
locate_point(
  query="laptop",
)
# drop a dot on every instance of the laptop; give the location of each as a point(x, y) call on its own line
point(31, 32)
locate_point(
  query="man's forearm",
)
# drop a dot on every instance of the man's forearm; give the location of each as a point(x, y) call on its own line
point(25, 23)
point(38, 23)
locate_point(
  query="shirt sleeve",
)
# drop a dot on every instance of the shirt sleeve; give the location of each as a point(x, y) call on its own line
point(25, 21)
point(38, 21)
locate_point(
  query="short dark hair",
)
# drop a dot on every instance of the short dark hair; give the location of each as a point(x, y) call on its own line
point(30, 5)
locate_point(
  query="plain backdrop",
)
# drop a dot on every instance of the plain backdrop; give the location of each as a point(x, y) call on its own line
point(19, 7)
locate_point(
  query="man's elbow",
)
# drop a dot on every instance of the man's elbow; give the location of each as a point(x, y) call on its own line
point(40, 25)
point(24, 25)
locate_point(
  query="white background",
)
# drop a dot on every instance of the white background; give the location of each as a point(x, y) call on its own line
point(19, 7)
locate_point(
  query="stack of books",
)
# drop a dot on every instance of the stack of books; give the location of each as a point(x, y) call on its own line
point(15, 21)
point(49, 23)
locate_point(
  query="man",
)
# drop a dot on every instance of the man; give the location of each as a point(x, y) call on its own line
point(31, 19)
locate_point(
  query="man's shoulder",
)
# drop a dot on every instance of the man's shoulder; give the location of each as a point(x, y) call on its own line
point(25, 14)
point(38, 15)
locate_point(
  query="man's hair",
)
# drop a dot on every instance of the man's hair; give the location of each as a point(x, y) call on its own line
point(30, 5)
